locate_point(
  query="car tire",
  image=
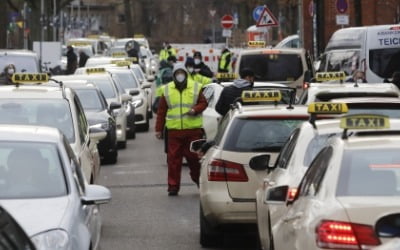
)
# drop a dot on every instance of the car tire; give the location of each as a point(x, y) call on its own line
point(145, 127)
point(132, 132)
point(112, 157)
point(150, 114)
point(209, 236)
point(122, 144)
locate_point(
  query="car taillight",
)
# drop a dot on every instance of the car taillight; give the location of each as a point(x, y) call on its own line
point(306, 85)
point(344, 235)
point(292, 194)
point(220, 170)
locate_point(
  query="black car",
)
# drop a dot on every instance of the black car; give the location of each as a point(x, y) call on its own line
point(99, 115)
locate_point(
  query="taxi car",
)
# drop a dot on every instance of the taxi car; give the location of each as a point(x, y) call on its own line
point(292, 67)
point(24, 60)
point(112, 93)
point(325, 91)
point(55, 106)
point(98, 115)
point(227, 183)
point(43, 188)
point(295, 157)
point(389, 106)
point(349, 195)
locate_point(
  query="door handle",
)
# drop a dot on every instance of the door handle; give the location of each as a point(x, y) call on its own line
point(298, 215)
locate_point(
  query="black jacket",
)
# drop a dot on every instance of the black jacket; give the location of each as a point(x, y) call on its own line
point(82, 59)
point(204, 70)
point(230, 94)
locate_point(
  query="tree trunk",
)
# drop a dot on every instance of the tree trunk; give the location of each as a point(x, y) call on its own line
point(3, 24)
point(128, 19)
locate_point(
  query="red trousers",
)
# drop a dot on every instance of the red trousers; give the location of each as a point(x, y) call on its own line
point(178, 147)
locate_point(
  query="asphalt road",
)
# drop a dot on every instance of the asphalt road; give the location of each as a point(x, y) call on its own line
point(141, 215)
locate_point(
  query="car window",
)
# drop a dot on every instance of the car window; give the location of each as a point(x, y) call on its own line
point(90, 99)
point(273, 67)
point(106, 86)
point(369, 172)
point(127, 80)
point(208, 93)
point(46, 112)
point(221, 129)
point(312, 179)
point(82, 123)
point(259, 135)
point(77, 171)
point(30, 170)
point(315, 146)
point(27, 64)
point(384, 62)
point(287, 150)
point(139, 74)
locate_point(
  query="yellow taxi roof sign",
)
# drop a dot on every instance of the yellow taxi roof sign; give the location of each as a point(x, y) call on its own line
point(327, 108)
point(123, 63)
point(95, 70)
point(117, 60)
point(138, 36)
point(79, 43)
point(29, 78)
point(256, 44)
point(330, 76)
point(118, 54)
point(261, 96)
point(228, 76)
point(365, 122)
point(131, 59)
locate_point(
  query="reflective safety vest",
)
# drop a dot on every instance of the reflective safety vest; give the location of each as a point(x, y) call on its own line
point(179, 103)
point(200, 79)
point(223, 65)
point(165, 53)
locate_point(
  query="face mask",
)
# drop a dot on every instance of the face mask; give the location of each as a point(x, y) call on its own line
point(10, 71)
point(359, 80)
point(180, 78)
point(197, 61)
point(190, 69)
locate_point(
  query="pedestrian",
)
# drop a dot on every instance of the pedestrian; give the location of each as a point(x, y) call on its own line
point(72, 61)
point(166, 51)
point(230, 93)
point(396, 79)
point(83, 57)
point(193, 75)
point(200, 67)
point(357, 77)
point(180, 110)
point(224, 61)
point(6, 76)
point(131, 50)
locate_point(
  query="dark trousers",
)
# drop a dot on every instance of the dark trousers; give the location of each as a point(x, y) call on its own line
point(178, 147)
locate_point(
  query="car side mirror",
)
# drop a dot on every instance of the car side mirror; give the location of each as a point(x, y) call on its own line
point(126, 98)
point(134, 92)
point(277, 195)
point(150, 78)
point(196, 145)
point(97, 134)
point(146, 85)
point(95, 195)
point(114, 106)
point(260, 162)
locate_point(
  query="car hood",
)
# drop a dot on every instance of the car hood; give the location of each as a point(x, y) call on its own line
point(37, 215)
point(95, 117)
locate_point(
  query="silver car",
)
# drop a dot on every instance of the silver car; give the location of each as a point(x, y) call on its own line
point(43, 188)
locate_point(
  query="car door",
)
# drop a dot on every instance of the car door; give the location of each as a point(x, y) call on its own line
point(293, 227)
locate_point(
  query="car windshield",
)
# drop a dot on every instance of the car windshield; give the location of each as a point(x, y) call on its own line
point(22, 63)
point(90, 99)
point(340, 60)
point(138, 73)
point(46, 112)
point(127, 80)
point(259, 134)
point(273, 67)
point(384, 62)
point(105, 85)
point(30, 170)
point(369, 172)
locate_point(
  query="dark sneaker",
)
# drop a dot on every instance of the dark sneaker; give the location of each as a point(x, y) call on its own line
point(172, 193)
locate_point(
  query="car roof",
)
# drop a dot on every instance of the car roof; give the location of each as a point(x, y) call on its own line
point(271, 109)
point(252, 51)
point(31, 91)
point(29, 133)
point(367, 100)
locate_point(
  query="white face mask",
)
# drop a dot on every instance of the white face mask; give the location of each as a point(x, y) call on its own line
point(190, 69)
point(10, 71)
point(197, 61)
point(180, 77)
point(359, 80)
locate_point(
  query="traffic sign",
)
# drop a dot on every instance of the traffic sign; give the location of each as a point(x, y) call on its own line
point(257, 12)
point(267, 19)
point(227, 22)
point(341, 6)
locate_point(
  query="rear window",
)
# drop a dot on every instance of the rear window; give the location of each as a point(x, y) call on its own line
point(260, 135)
point(340, 60)
point(90, 99)
point(127, 80)
point(105, 85)
point(369, 172)
point(273, 67)
point(26, 64)
point(384, 62)
point(324, 97)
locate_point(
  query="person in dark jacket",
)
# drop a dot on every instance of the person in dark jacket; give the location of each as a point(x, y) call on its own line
point(200, 67)
point(72, 61)
point(396, 79)
point(83, 57)
point(231, 93)
point(358, 77)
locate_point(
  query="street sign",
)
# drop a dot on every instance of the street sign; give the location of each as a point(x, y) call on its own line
point(227, 22)
point(226, 33)
point(257, 12)
point(267, 19)
point(342, 19)
point(341, 6)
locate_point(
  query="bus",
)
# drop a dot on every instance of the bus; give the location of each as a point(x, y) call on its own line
point(372, 49)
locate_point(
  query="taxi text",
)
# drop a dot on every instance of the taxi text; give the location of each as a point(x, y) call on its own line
point(327, 76)
point(30, 77)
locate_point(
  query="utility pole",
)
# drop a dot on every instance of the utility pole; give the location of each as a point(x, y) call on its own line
point(54, 20)
point(128, 19)
point(41, 32)
point(301, 23)
point(358, 12)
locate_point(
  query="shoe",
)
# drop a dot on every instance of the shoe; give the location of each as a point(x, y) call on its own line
point(172, 193)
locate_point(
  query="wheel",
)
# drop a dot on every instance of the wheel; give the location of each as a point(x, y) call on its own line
point(209, 236)
point(145, 127)
point(132, 132)
point(122, 144)
point(112, 157)
point(150, 114)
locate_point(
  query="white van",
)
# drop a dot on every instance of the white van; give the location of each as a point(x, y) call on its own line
point(372, 49)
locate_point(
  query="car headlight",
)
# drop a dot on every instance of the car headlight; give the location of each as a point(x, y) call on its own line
point(103, 125)
point(137, 103)
point(52, 240)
